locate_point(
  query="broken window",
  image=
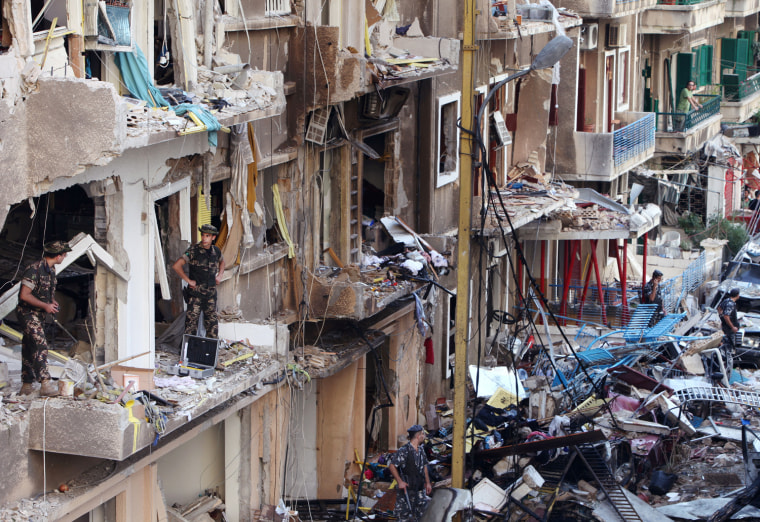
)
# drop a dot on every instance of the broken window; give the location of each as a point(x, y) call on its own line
point(49, 25)
point(447, 142)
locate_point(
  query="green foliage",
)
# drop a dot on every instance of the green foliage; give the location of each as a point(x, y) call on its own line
point(691, 224)
point(719, 228)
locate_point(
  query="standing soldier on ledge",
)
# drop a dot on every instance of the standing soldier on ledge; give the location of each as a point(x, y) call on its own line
point(206, 268)
point(36, 299)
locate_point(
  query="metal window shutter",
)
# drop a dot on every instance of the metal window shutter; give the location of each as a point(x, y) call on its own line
point(203, 215)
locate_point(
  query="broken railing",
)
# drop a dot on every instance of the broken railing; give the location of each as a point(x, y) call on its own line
point(683, 121)
point(675, 290)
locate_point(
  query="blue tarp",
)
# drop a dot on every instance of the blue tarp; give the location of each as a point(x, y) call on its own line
point(204, 115)
point(134, 72)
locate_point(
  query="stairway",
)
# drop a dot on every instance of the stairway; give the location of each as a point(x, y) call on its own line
point(606, 481)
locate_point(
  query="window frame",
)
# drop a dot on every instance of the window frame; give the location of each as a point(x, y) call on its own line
point(447, 176)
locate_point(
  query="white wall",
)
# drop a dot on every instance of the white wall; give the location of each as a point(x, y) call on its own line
point(188, 471)
point(715, 199)
point(300, 480)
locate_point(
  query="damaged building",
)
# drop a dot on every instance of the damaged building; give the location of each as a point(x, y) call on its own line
point(326, 143)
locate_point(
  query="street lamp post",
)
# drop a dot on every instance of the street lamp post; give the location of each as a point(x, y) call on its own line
point(547, 57)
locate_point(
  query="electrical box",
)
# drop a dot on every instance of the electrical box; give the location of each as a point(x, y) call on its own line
point(589, 37)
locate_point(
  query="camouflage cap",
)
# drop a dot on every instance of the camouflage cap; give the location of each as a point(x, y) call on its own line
point(56, 247)
point(209, 229)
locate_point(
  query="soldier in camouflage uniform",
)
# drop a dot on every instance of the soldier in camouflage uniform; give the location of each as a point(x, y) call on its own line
point(409, 467)
point(206, 266)
point(36, 299)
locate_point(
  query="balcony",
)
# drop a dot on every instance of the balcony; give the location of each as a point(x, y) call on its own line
point(740, 99)
point(742, 8)
point(679, 132)
point(605, 8)
point(682, 16)
point(604, 156)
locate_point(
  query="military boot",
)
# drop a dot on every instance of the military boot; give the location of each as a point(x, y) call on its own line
point(48, 388)
point(26, 389)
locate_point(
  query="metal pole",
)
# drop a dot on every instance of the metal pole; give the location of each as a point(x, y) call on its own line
point(624, 282)
point(463, 247)
point(543, 268)
point(599, 286)
point(644, 261)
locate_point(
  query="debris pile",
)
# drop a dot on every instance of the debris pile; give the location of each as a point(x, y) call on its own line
point(648, 424)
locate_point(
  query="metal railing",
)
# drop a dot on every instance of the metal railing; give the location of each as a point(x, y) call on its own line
point(683, 121)
point(751, 85)
point(277, 7)
point(674, 290)
point(633, 139)
point(681, 2)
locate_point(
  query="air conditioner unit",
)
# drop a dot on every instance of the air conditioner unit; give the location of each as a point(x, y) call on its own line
point(589, 37)
point(617, 35)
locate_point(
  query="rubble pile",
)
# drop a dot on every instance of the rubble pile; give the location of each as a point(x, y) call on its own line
point(591, 217)
point(224, 94)
point(631, 430)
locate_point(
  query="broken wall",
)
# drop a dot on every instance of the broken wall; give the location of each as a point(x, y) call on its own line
point(332, 75)
point(62, 128)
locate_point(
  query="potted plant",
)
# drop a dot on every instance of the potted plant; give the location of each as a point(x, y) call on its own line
point(589, 125)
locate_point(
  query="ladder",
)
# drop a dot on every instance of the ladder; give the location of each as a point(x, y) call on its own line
point(355, 210)
point(717, 394)
point(554, 474)
point(603, 476)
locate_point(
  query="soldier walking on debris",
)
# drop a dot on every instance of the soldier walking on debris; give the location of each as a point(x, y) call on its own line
point(36, 299)
point(652, 294)
point(206, 266)
point(409, 466)
point(729, 321)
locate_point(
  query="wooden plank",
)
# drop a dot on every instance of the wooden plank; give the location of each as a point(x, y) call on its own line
point(76, 55)
point(158, 254)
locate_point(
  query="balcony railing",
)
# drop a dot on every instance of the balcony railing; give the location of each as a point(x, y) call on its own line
point(681, 2)
point(277, 7)
point(633, 139)
point(683, 121)
point(734, 92)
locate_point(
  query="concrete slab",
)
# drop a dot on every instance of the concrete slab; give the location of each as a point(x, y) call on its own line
point(95, 429)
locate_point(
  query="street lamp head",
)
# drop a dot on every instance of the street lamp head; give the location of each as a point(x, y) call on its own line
point(552, 52)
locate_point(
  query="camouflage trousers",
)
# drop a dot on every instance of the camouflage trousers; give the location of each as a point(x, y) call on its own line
point(34, 348)
point(202, 299)
point(407, 513)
